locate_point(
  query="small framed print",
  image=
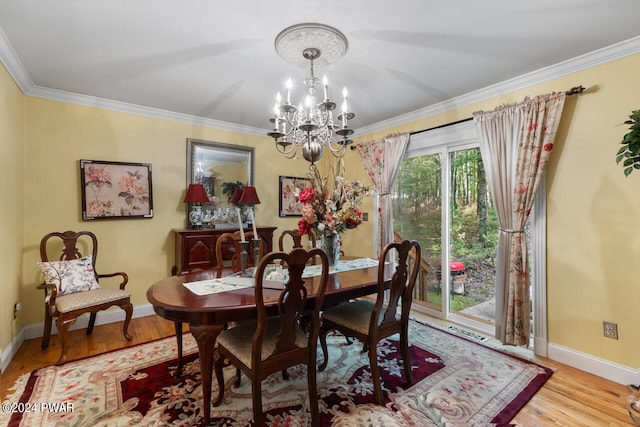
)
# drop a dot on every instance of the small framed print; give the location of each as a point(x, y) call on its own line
point(115, 190)
point(288, 205)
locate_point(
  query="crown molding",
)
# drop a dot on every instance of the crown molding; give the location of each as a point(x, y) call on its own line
point(610, 53)
point(124, 107)
point(13, 65)
point(588, 60)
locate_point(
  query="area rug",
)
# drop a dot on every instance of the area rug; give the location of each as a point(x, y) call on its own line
point(458, 382)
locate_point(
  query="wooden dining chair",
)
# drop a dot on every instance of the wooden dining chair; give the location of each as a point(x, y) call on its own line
point(230, 243)
point(370, 321)
point(271, 344)
point(230, 240)
point(296, 238)
point(71, 286)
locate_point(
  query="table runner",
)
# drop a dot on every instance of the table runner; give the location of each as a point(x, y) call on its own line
point(341, 265)
point(232, 283)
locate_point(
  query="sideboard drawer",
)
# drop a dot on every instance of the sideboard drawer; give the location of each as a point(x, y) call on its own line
point(196, 249)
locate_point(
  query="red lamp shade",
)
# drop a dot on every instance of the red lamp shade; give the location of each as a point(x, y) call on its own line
point(249, 196)
point(196, 194)
point(237, 193)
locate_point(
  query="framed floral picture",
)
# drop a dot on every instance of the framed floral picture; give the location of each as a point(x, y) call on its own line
point(288, 205)
point(115, 190)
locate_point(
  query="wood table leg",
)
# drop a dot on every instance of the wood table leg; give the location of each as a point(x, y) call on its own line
point(205, 336)
point(178, 327)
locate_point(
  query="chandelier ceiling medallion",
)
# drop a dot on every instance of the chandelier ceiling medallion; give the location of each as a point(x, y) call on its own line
point(311, 125)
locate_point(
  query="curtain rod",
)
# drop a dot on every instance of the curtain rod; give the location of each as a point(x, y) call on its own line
point(573, 91)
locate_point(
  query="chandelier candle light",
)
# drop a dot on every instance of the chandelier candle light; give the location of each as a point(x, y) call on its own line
point(311, 124)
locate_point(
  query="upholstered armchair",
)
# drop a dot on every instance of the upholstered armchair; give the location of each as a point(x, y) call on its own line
point(71, 286)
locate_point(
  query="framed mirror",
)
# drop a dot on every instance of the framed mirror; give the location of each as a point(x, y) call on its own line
point(214, 163)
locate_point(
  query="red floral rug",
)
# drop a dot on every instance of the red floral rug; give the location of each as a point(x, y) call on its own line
point(457, 382)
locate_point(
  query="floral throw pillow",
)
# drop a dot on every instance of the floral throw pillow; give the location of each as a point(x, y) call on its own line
point(70, 276)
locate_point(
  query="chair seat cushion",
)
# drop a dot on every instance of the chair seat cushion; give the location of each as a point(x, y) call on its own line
point(354, 315)
point(239, 339)
point(79, 300)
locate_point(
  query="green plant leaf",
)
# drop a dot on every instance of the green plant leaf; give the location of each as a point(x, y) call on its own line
point(629, 153)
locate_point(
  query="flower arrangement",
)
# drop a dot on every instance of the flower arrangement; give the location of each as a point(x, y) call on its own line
point(328, 211)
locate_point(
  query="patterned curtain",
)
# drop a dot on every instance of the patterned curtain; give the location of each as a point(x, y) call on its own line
point(381, 159)
point(515, 143)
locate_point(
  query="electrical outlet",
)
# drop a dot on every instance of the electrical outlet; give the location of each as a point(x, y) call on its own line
point(16, 308)
point(610, 330)
point(365, 216)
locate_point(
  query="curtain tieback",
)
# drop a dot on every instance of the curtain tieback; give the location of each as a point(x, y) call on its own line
point(504, 230)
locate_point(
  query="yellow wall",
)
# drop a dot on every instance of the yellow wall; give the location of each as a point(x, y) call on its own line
point(593, 241)
point(592, 237)
point(58, 135)
point(12, 119)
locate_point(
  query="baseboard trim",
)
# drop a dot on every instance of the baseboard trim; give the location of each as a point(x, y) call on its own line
point(36, 330)
point(541, 347)
point(102, 318)
point(585, 362)
point(11, 350)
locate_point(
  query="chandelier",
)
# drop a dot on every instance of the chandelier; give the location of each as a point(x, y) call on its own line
point(311, 125)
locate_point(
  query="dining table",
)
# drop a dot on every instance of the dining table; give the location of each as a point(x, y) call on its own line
point(177, 298)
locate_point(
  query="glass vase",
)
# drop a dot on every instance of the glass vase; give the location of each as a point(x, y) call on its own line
point(331, 245)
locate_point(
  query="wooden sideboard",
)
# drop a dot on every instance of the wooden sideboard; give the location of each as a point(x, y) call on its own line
point(196, 249)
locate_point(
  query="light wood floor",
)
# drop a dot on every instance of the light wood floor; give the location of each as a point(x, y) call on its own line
point(569, 398)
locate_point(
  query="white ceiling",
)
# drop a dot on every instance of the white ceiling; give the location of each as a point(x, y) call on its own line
point(216, 60)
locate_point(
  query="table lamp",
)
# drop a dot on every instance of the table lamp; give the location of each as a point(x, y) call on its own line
point(248, 199)
point(249, 196)
point(237, 193)
point(196, 194)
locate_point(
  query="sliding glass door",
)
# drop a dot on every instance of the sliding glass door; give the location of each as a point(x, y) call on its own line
point(467, 244)
point(442, 199)
point(473, 238)
point(417, 214)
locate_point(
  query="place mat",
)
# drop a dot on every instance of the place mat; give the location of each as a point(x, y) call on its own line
point(214, 286)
